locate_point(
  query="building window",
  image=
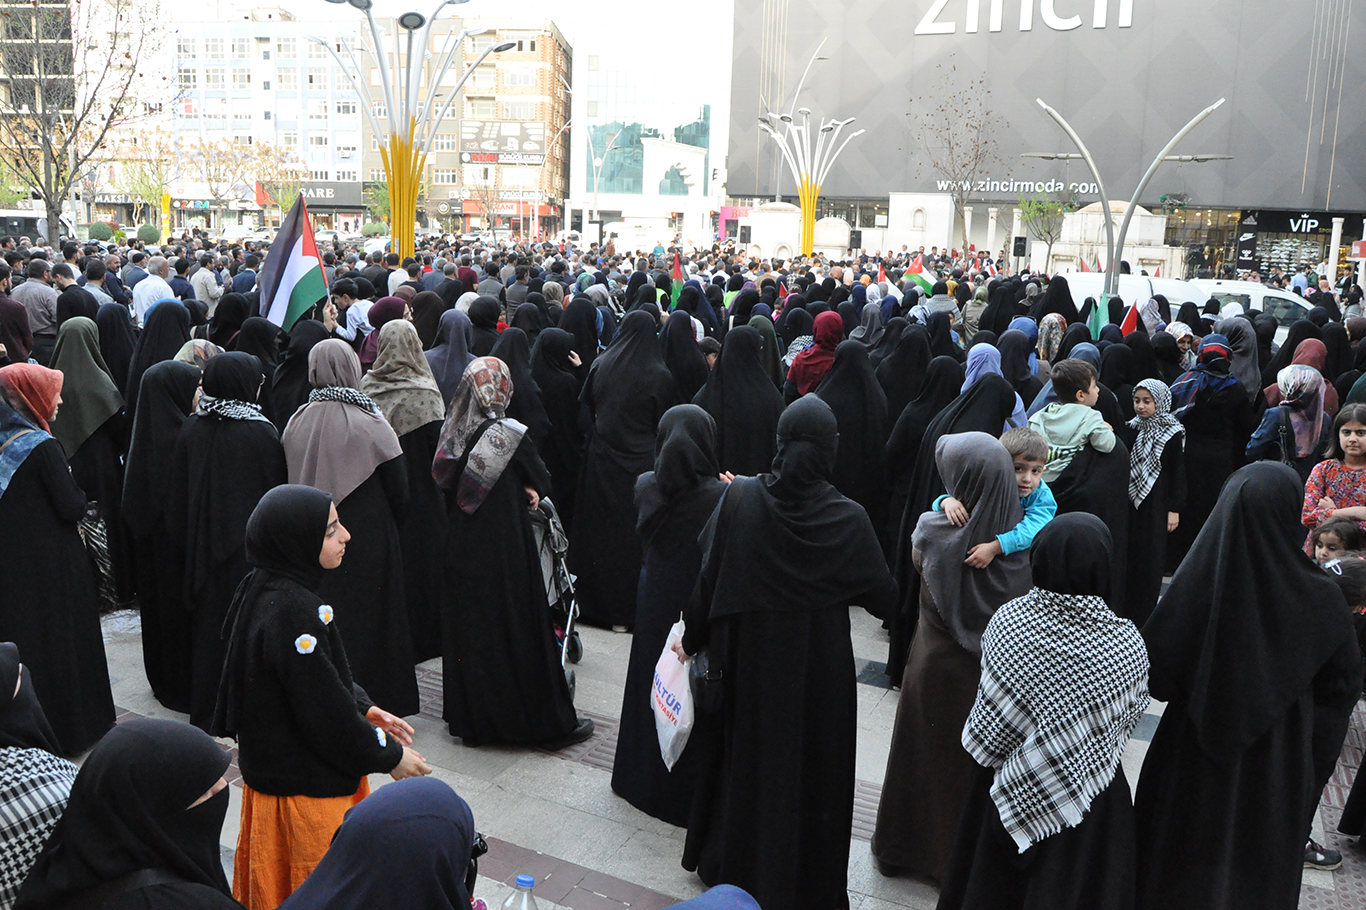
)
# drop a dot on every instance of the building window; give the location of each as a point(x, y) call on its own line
point(318, 176)
point(481, 43)
point(485, 77)
point(478, 175)
point(215, 48)
point(189, 108)
point(242, 139)
point(447, 142)
point(519, 110)
point(317, 78)
point(151, 107)
point(187, 77)
point(241, 78)
point(378, 109)
point(345, 45)
point(284, 48)
point(216, 112)
point(241, 48)
point(519, 76)
point(376, 174)
point(267, 115)
point(445, 175)
point(317, 140)
point(287, 79)
point(184, 48)
point(347, 176)
point(316, 51)
point(346, 151)
point(265, 84)
point(592, 108)
point(374, 143)
point(481, 108)
point(520, 177)
point(593, 63)
point(317, 110)
point(526, 44)
point(289, 139)
point(346, 108)
point(214, 78)
point(265, 54)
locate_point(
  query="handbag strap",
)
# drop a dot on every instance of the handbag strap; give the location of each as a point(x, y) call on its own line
point(14, 437)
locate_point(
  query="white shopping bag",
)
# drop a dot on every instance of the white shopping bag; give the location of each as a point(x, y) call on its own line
point(671, 700)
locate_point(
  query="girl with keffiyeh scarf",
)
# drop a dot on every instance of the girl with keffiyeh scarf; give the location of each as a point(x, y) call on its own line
point(1157, 494)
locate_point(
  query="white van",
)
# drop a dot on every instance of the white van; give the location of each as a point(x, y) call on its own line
point(1288, 308)
point(1134, 289)
point(31, 223)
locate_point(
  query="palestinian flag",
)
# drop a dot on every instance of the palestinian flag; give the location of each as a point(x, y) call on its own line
point(922, 276)
point(881, 273)
point(675, 282)
point(1095, 263)
point(1099, 316)
point(292, 279)
point(1085, 266)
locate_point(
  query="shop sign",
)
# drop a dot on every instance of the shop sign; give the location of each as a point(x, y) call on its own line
point(1247, 242)
point(502, 158)
point(191, 204)
point(503, 136)
point(332, 194)
point(1299, 222)
point(114, 199)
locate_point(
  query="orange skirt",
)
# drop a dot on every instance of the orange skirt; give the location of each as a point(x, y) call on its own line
point(282, 839)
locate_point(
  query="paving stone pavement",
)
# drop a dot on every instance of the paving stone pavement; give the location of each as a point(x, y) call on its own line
point(553, 814)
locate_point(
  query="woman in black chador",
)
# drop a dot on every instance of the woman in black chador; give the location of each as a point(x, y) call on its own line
point(784, 556)
point(673, 504)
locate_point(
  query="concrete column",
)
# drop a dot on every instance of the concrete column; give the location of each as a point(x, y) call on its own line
point(992, 211)
point(1016, 230)
point(1333, 243)
point(967, 228)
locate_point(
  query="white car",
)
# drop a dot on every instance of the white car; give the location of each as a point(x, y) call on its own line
point(326, 236)
point(1134, 289)
point(377, 245)
point(1288, 308)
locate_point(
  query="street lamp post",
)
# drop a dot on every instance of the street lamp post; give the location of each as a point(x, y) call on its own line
point(540, 176)
point(597, 174)
point(808, 163)
point(413, 127)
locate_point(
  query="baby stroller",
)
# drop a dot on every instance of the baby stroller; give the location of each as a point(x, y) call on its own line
point(551, 546)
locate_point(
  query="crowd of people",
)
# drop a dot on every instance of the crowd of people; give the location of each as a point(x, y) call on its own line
point(1001, 474)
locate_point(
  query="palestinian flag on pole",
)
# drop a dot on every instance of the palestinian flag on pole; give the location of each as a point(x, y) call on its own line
point(923, 277)
point(1099, 316)
point(881, 273)
point(292, 279)
point(675, 282)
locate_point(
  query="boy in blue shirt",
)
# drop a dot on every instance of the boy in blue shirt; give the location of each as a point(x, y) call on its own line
point(1029, 451)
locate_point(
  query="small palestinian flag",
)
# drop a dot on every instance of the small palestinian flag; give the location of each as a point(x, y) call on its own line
point(922, 276)
point(675, 282)
point(292, 279)
point(881, 273)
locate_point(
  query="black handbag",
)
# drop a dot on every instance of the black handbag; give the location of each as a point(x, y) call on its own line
point(706, 683)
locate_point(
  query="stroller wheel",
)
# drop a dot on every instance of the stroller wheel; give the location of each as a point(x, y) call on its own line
point(569, 678)
point(574, 648)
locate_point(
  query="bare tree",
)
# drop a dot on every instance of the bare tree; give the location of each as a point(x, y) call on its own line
point(147, 164)
point(1043, 214)
point(280, 173)
point(70, 73)
point(952, 125)
point(223, 166)
point(488, 193)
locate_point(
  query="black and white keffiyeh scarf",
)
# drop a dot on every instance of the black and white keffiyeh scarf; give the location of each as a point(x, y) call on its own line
point(36, 785)
point(1064, 683)
point(1145, 457)
point(230, 409)
point(342, 393)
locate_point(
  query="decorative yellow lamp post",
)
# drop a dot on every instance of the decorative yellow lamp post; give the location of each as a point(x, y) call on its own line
point(413, 123)
point(808, 163)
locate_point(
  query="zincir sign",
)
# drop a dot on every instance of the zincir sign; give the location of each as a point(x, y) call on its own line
point(1127, 74)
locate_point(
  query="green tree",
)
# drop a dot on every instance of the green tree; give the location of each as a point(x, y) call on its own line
point(377, 200)
point(1044, 214)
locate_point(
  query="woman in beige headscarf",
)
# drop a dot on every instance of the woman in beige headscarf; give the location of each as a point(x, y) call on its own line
point(402, 385)
point(340, 443)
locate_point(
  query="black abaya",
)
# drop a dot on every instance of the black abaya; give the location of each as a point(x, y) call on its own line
point(1148, 533)
point(943, 379)
point(514, 349)
point(50, 608)
point(1218, 426)
point(674, 501)
point(117, 340)
point(220, 470)
point(422, 541)
point(860, 406)
point(97, 467)
point(902, 373)
point(503, 682)
point(682, 355)
point(289, 381)
point(165, 332)
point(562, 449)
point(1098, 483)
point(744, 403)
point(627, 392)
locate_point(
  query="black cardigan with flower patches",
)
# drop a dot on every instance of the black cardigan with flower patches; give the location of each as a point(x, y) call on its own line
point(303, 731)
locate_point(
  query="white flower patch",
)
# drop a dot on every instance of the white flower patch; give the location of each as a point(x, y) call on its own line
point(383, 740)
point(305, 644)
point(325, 614)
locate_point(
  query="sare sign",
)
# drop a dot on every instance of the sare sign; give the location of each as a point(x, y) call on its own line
point(940, 19)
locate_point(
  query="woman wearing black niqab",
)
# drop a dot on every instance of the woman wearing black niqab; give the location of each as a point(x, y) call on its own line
point(744, 404)
point(849, 313)
point(887, 343)
point(580, 319)
point(627, 392)
point(484, 312)
point(1015, 350)
point(166, 330)
point(261, 338)
point(941, 338)
point(1057, 298)
point(1168, 357)
point(427, 307)
point(1253, 649)
point(117, 340)
point(943, 380)
point(673, 503)
point(784, 556)
point(682, 355)
point(1300, 331)
point(289, 381)
point(168, 394)
point(860, 407)
point(228, 316)
point(1073, 336)
point(530, 319)
point(902, 373)
point(148, 802)
point(562, 449)
point(1117, 365)
point(226, 457)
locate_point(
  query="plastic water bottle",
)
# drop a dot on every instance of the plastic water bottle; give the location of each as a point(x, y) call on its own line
point(522, 898)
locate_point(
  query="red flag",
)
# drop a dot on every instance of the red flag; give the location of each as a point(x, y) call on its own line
point(1157, 272)
point(1130, 324)
point(1084, 266)
point(782, 290)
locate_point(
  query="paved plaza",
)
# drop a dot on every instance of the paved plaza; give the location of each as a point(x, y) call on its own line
point(554, 815)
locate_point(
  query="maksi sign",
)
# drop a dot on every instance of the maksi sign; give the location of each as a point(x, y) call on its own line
point(1127, 74)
